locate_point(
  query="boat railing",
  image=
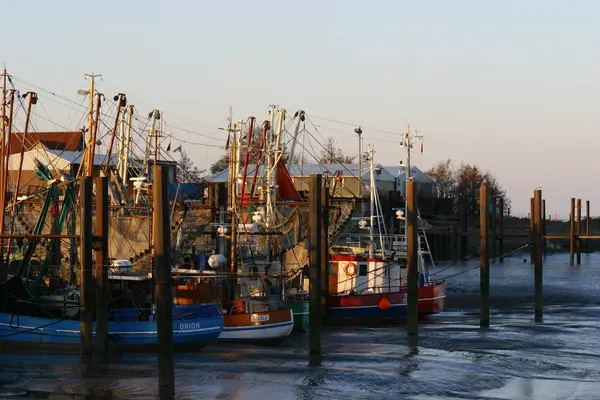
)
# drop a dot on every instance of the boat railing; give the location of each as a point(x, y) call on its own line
point(149, 314)
point(396, 242)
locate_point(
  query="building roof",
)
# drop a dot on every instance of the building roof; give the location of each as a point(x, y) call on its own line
point(58, 159)
point(400, 173)
point(385, 174)
point(69, 141)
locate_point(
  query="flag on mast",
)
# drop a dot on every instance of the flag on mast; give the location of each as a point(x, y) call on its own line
point(421, 147)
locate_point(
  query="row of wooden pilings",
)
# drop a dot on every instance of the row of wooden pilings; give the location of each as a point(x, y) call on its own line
point(318, 267)
point(453, 244)
point(96, 240)
point(537, 238)
point(319, 263)
point(318, 302)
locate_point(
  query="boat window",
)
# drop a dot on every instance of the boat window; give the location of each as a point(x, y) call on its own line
point(362, 270)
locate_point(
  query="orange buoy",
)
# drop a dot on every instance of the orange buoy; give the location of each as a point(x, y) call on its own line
point(384, 304)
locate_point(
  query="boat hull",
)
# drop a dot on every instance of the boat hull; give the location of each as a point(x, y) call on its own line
point(261, 327)
point(370, 308)
point(201, 324)
point(300, 309)
point(432, 299)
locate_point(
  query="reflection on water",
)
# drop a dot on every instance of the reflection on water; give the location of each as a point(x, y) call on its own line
point(452, 359)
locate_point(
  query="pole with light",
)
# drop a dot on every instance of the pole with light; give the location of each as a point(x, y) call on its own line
point(408, 141)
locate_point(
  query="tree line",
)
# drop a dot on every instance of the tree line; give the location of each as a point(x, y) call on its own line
point(461, 182)
point(330, 153)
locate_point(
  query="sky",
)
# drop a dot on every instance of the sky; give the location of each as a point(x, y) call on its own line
point(512, 86)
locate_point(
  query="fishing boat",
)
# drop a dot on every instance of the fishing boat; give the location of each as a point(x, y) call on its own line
point(254, 319)
point(367, 278)
point(243, 270)
point(53, 320)
point(39, 299)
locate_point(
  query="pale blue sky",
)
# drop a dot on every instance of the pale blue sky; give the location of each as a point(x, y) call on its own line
point(513, 86)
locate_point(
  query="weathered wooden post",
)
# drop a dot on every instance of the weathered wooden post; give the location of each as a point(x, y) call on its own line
point(572, 233)
point(588, 225)
point(315, 319)
point(578, 243)
point(493, 230)
point(412, 247)
point(531, 230)
point(454, 239)
point(86, 277)
point(537, 252)
point(325, 246)
point(102, 264)
point(544, 240)
point(501, 228)
point(484, 270)
point(464, 228)
point(162, 280)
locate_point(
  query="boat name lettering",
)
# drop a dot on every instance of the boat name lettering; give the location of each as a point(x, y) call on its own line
point(185, 326)
point(259, 318)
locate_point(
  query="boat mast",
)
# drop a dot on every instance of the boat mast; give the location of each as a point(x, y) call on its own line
point(6, 165)
point(269, 183)
point(121, 143)
point(121, 102)
point(359, 133)
point(155, 115)
point(233, 160)
point(408, 140)
point(300, 115)
point(88, 153)
point(126, 149)
point(372, 222)
point(92, 125)
point(32, 100)
point(273, 181)
point(247, 158)
point(3, 177)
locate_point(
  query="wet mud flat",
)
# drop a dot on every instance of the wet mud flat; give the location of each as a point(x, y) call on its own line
point(453, 358)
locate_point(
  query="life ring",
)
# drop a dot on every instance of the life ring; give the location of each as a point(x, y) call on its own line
point(350, 269)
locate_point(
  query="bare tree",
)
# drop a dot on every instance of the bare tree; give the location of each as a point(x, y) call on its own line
point(187, 172)
point(223, 162)
point(462, 183)
point(443, 174)
point(331, 154)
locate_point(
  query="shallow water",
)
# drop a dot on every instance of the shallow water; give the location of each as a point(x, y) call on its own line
point(515, 358)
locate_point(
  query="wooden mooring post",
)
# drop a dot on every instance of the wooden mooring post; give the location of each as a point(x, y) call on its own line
point(454, 239)
point(102, 266)
point(162, 274)
point(588, 225)
point(578, 243)
point(484, 270)
point(86, 277)
point(531, 230)
point(572, 233)
point(544, 240)
point(493, 239)
point(325, 246)
point(537, 252)
point(501, 229)
point(464, 227)
point(412, 247)
point(315, 319)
